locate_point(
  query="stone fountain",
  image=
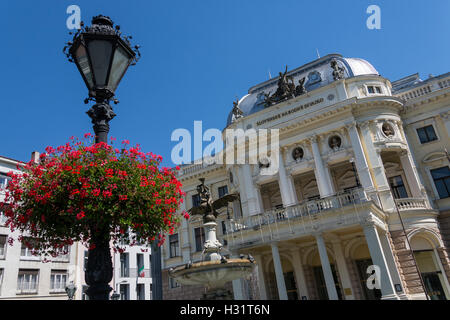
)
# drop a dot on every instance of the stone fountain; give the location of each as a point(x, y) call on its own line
point(214, 271)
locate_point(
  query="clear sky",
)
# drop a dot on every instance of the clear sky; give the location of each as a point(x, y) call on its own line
point(197, 57)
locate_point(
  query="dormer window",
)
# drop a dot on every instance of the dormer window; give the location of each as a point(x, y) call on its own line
point(374, 90)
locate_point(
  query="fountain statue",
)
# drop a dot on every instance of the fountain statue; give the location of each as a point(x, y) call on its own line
point(214, 271)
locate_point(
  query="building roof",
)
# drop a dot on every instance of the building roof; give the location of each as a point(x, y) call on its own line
point(317, 73)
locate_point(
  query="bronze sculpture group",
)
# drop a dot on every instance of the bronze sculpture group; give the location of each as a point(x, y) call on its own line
point(286, 89)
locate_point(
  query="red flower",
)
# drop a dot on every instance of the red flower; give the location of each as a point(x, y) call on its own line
point(80, 215)
point(96, 192)
point(123, 197)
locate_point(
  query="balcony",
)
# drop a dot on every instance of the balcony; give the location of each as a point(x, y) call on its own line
point(303, 213)
point(405, 204)
point(133, 273)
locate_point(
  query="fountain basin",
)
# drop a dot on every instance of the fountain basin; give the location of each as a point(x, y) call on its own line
point(212, 274)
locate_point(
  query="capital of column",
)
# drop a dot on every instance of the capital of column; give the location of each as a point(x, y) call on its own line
point(313, 139)
point(364, 125)
point(445, 115)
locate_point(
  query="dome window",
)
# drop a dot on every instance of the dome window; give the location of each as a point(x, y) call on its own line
point(374, 90)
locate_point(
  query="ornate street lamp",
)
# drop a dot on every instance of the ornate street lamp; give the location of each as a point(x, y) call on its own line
point(70, 290)
point(102, 55)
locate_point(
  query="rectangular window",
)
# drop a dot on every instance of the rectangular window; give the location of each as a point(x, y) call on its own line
point(140, 265)
point(58, 281)
point(64, 254)
point(173, 283)
point(27, 253)
point(441, 177)
point(151, 291)
point(398, 187)
point(173, 246)
point(426, 134)
point(374, 90)
point(196, 200)
point(85, 261)
point(27, 281)
point(140, 290)
point(3, 242)
point(223, 191)
point(124, 291)
point(199, 238)
point(3, 219)
point(124, 265)
point(84, 295)
point(1, 279)
point(4, 179)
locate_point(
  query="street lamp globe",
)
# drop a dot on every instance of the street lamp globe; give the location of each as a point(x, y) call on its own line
point(102, 56)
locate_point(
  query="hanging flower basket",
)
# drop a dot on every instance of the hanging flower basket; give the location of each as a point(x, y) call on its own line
point(80, 190)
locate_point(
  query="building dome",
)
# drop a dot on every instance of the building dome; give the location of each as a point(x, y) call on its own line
point(317, 73)
point(360, 67)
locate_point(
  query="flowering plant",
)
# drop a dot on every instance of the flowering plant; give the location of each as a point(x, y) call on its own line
point(80, 190)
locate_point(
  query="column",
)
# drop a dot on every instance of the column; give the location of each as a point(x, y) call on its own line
point(287, 193)
point(326, 268)
point(445, 116)
point(411, 174)
point(323, 181)
point(281, 285)
point(392, 266)
point(237, 289)
point(299, 275)
point(247, 181)
point(379, 259)
point(261, 280)
point(378, 173)
point(362, 167)
point(185, 243)
point(343, 271)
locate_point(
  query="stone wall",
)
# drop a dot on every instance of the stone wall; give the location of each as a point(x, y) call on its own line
point(405, 261)
point(444, 228)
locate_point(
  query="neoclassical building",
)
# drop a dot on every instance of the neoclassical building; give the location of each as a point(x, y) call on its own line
point(363, 180)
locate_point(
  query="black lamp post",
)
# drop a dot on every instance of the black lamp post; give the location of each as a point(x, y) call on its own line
point(102, 55)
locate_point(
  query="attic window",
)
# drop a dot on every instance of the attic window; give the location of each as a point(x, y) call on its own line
point(374, 90)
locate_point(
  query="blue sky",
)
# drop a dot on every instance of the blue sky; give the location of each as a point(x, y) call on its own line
point(197, 56)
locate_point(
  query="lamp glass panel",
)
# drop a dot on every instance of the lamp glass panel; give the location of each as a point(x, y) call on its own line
point(83, 63)
point(100, 52)
point(119, 66)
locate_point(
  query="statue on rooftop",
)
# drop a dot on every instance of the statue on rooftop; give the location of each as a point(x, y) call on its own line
point(237, 112)
point(300, 89)
point(338, 72)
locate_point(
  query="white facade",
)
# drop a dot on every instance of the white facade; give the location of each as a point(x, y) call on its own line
point(127, 281)
point(368, 157)
point(22, 275)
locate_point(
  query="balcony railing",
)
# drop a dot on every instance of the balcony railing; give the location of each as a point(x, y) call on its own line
point(305, 209)
point(133, 273)
point(411, 204)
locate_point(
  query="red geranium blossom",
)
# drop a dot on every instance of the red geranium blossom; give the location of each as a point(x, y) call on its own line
point(76, 190)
